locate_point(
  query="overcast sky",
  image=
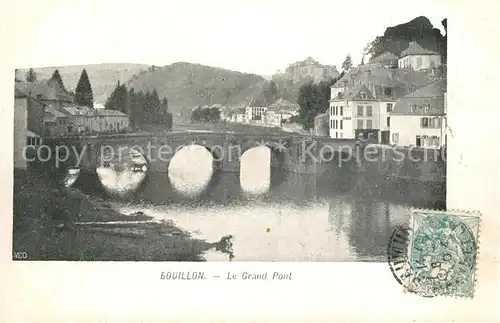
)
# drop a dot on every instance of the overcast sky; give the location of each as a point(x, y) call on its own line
point(256, 36)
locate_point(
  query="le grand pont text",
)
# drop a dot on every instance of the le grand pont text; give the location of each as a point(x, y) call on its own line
point(188, 275)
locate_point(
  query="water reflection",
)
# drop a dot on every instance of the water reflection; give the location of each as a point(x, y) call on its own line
point(255, 173)
point(295, 220)
point(190, 170)
point(71, 176)
point(122, 174)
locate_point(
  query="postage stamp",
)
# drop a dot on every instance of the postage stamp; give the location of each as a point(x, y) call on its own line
point(436, 255)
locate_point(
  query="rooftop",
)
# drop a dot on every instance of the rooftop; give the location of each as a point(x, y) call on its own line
point(79, 110)
point(109, 113)
point(415, 49)
point(284, 105)
point(428, 100)
point(384, 57)
point(355, 93)
point(44, 91)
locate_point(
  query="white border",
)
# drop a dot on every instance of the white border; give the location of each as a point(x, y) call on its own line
point(320, 292)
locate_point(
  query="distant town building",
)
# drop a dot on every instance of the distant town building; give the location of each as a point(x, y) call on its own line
point(28, 127)
point(254, 112)
point(280, 111)
point(419, 58)
point(419, 119)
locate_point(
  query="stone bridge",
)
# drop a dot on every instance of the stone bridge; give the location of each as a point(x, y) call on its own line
point(291, 153)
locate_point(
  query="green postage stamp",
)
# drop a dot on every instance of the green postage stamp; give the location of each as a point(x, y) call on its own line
point(437, 253)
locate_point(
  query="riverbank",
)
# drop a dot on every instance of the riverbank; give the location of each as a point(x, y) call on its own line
point(57, 223)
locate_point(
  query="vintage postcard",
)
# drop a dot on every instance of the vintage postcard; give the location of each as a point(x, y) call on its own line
point(333, 144)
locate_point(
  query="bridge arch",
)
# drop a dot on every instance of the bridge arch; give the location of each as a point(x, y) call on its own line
point(277, 164)
point(194, 178)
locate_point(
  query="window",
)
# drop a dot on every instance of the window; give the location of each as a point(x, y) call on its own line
point(363, 95)
point(331, 124)
point(369, 124)
point(388, 107)
point(418, 141)
point(424, 122)
point(336, 124)
point(360, 110)
point(388, 91)
point(426, 108)
point(419, 62)
point(395, 137)
point(388, 121)
point(434, 141)
point(360, 124)
point(336, 134)
point(341, 110)
point(436, 122)
point(369, 111)
point(341, 124)
point(331, 110)
point(425, 140)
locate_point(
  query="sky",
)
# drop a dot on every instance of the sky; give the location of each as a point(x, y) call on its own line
point(249, 36)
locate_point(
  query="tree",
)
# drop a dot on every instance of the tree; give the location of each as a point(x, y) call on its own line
point(314, 99)
point(118, 99)
point(347, 64)
point(57, 77)
point(270, 93)
point(31, 76)
point(83, 91)
point(196, 114)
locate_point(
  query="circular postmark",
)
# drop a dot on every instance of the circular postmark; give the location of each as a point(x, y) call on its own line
point(437, 256)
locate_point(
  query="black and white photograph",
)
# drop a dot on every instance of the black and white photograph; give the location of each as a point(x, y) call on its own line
point(297, 141)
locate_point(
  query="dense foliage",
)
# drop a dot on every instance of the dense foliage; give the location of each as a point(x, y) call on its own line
point(314, 100)
point(205, 114)
point(142, 108)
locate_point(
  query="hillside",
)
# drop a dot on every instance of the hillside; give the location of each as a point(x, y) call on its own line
point(103, 77)
point(188, 85)
point(397, 38)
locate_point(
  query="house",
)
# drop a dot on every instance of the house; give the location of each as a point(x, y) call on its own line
point(83, 118)
point(354, 114)
point(384, 85)
point(240, 115)
point(254, 112)
point(419, 118)
point(280, 111)
point(47, 92)
point(418, 58)
point(387, 59)
point(110, 121)
point(28, 127)
point(57, 122)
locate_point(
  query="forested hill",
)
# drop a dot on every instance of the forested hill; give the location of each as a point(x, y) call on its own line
point(189, 85)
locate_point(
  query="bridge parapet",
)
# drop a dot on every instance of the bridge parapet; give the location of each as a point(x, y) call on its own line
point(297, 153)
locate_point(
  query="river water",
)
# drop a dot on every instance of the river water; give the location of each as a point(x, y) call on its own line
point(294, 218)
